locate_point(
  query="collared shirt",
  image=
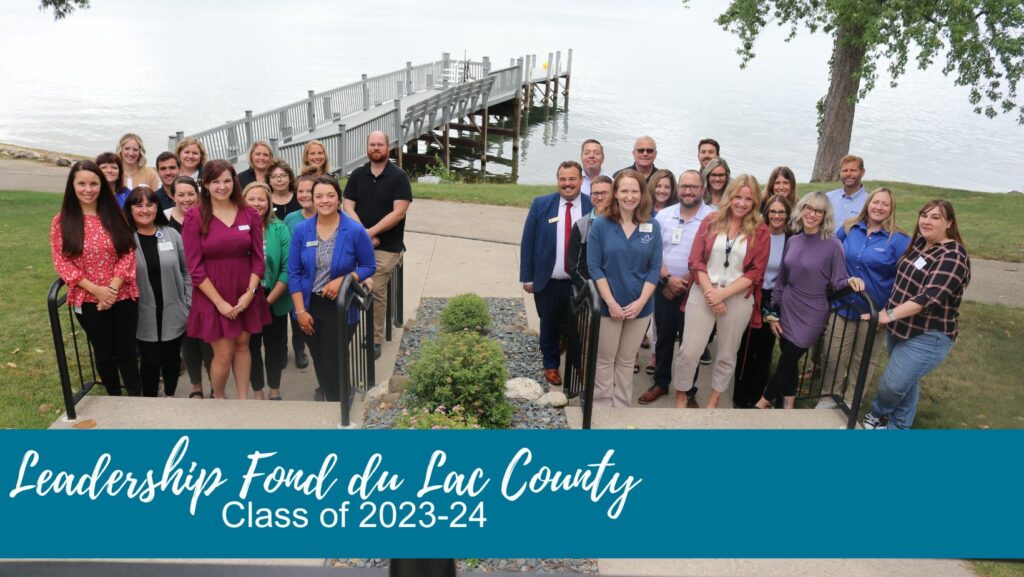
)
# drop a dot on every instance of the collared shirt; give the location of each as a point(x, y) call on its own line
point(676, 254)
point(560, 239)
point(626, 263)
point(633, 167)
point(872, 257)
point(375, 198)
point(934, 278)
point(585, 187)
point(847, 206)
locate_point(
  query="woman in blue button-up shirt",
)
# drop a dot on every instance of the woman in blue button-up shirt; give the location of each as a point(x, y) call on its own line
point(872, 245)
point(624, 259)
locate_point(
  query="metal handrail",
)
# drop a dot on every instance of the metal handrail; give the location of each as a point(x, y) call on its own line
point(864, 306)
point(394, 313)
point(54, 301)
point(581, 346)
point(355, 357)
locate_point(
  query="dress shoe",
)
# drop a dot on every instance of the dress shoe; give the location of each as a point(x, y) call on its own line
point(652, 394)
point(552, 377)
point(691, 403)
point(301, 360)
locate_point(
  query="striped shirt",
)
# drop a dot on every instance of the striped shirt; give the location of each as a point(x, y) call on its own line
point(934, 278)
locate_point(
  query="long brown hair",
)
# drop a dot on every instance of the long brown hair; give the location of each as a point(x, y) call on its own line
point(946, 208)
point(72, 221)
point(643, 210)
point(212, 171)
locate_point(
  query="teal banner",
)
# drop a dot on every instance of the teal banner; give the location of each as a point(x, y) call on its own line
point(484, 494)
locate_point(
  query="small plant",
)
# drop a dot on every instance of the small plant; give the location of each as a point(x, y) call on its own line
point(440, 418)
point(442, 171)
point(465, 312)
point(464, 369)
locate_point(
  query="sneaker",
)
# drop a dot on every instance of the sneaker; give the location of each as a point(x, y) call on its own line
point(826, 403)
point(705, 359)
point(872, 422)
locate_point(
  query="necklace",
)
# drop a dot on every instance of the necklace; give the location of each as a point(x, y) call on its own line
point(728, 247)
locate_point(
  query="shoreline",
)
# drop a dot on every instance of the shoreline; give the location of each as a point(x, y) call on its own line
point(41, 155)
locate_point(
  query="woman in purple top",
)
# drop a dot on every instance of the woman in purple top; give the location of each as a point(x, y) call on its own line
point(812, 264)
point(224, 250)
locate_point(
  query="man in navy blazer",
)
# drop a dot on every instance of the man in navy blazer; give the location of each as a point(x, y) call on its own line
point(543, 268)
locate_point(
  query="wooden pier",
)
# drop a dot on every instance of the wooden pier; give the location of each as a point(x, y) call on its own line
point(440, 105)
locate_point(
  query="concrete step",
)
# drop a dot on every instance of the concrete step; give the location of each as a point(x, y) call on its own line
point(671, 418)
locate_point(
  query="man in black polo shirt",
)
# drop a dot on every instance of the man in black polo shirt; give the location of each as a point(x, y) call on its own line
point(167, 166)
point(377, 195)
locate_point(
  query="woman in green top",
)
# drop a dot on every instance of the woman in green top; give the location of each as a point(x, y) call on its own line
point(276, 241)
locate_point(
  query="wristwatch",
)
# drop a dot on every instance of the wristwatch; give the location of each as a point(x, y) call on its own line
point(891, 313)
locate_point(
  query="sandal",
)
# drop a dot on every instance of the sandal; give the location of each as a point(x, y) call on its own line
point(636, 368)
point(649, 370)
point(195, 395)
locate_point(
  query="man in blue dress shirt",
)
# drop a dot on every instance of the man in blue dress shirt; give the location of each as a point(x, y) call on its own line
point(849, 200)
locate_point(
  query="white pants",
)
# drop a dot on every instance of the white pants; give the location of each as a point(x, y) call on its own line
point(616, 353)
point(700, 321)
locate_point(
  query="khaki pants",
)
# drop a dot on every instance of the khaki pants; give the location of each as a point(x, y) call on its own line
point(840, 334)
point(386, 262)
point(700, 321)
point(616, 352)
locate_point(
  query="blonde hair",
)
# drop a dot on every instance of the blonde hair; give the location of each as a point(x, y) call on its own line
point(888, 225)
point(820, 201)
point(270, 203)
point(187, 142)
point(308, 168)
point(752, 218)
point(142, 147)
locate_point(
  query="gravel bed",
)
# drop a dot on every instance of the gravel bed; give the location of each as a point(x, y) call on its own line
point(522, 359)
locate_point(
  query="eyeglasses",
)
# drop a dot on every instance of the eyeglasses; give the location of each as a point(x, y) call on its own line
point(689, 187)
point(645, 150)
point(279, 175)
point(776, 213)
point(817, 211)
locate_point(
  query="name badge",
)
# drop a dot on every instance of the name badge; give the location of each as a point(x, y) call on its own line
point(243, 227)
point(554, 219)
point(311, 243)
point(920, 263)
point(646, 227)
point(677, 236)
point(165, 246)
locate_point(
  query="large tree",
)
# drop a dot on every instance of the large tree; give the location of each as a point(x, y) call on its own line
point(62, 8)
point(980, 41)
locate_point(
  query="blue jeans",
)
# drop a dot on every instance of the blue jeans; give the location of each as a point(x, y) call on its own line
point(909, 361)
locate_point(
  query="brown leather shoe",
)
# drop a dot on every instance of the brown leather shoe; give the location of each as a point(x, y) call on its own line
point(552, 377)
point(652, 394)
point(691, 403)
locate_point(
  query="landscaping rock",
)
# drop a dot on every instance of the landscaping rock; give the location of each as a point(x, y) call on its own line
point(555, 399)
point(428, 179)
point(376, 393)
point(523, 388)
point(397, 383)
point(64, 162)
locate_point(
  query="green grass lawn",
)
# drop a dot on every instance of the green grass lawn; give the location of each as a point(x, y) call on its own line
point(988, 568)
point(989, 222)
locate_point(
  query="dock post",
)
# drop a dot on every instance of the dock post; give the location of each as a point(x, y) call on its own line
point(558, 75)
point(366, 94)
point(447, 146)
point(568, 75)
point(342, 152)
point(517, 109)
point(399, 137)
point(408, 78)
point(483, 136)
point(311, 112)
point(248, 129)
point(547, 80)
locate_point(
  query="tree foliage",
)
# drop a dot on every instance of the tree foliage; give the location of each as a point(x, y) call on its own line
point(980, 41)
point(62, 8)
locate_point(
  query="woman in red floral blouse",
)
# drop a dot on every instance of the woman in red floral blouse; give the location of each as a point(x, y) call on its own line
point(94, 254)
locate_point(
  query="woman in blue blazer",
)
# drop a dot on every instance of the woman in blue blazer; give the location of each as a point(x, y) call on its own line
point(325, 249)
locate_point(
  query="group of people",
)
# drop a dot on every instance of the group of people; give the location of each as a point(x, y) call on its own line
point(715, 256)
point(196, 265)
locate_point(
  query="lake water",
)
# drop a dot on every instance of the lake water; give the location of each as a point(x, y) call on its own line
point(649, 67)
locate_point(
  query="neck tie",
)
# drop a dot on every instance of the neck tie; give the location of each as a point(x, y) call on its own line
point(568, 233)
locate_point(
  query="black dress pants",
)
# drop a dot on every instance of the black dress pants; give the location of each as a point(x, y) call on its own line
point(112, 335)
point(161, 358)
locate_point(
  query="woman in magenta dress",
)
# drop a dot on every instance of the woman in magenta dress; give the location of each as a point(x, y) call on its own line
point(224, 249)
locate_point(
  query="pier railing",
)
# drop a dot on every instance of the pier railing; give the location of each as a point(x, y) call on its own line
point(81, 358)
point(355, 345)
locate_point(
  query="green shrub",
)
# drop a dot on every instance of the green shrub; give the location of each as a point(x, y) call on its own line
point(463, 312)
point(464, 369)
point(439, 418)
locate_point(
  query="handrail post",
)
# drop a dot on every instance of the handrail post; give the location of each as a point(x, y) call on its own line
point(398, 130)
point(408, 78)
point(366, 94)
point(342, 150)
point(344, 362)
point(591, 368)
point(58, 346)
point(248, 129)
point(311, 112)
point(865, 362)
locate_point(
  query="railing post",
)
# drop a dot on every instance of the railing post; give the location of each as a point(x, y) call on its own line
point(366, 94)
point(558, 63)
point(249, 139)
point(445, 62)
point(408, 79)
point(342, 149)
point(487, 65)
point(58, 347)
point(283, 126)
point(519, 78)
point(274, 148)
point(430, 80)
point(398, 130)
point(172, 141)
point(551, 57)
point(311, 112)
point(233, 143)
point(327, 108)
point(568, 62)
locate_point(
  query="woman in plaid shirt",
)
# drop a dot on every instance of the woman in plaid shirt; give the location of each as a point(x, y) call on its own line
point(921, 313)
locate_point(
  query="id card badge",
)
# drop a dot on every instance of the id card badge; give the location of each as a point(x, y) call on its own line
point(166, 246)
point(311, 243)
point(920, 263)
point(677, 236)
point(646, 227)
point(554, 219)
point(243, 227)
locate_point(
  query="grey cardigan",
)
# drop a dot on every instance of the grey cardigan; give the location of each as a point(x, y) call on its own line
point(176, 285)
